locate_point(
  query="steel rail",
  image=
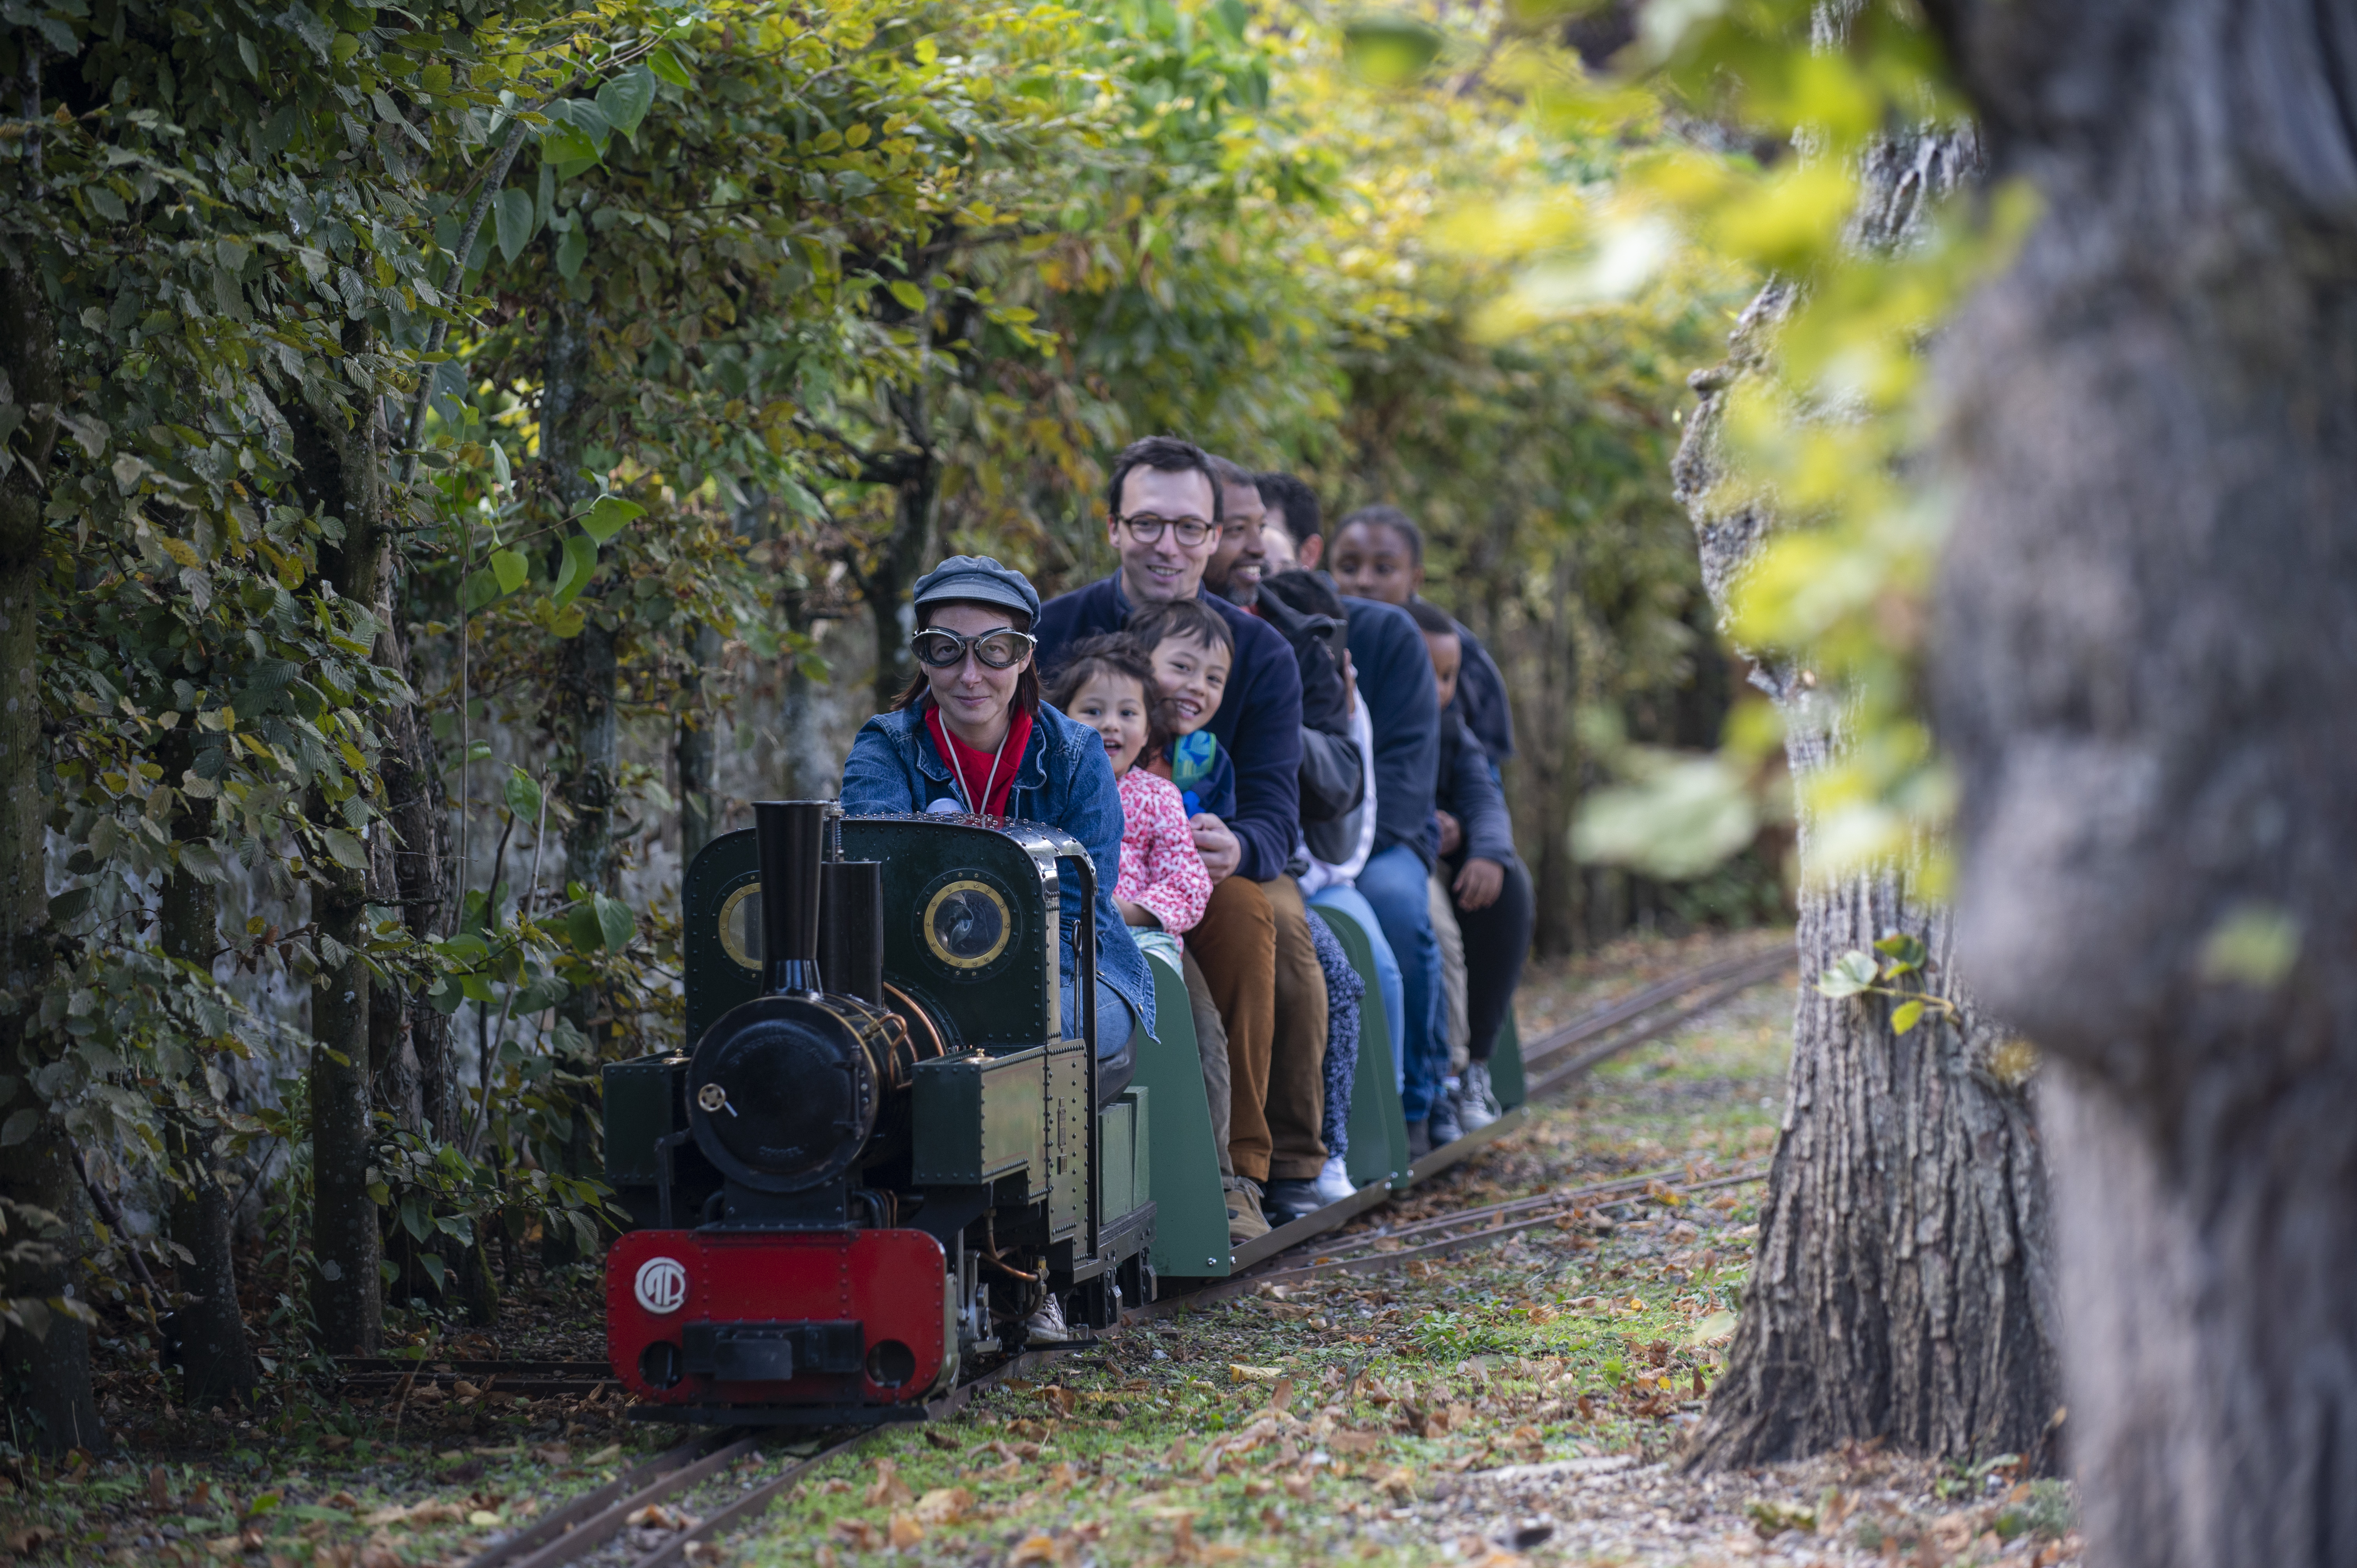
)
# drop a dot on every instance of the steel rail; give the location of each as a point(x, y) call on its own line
point(550, 1527)
point(590, 1520)
point(1766, 960)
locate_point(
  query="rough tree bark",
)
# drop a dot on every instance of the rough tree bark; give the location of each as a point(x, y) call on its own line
point(46, 1378)
point(1901, 1288)
point(216, 1361)
point(887, 573)
point(2144, 673)
point(342, 467)
point(417, 810)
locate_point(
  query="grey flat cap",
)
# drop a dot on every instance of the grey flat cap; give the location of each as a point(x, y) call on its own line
point(979, 580)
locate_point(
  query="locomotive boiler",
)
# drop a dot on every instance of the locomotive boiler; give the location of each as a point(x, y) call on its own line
point(882, 1155)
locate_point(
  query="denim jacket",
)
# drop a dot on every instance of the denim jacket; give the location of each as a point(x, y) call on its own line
point(1063, 781)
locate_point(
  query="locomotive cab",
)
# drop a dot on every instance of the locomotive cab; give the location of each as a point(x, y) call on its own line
point(881, 1154)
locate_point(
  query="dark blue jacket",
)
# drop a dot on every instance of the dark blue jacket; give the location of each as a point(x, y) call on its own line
point(1395, 681)
point(1481, 699)
point(1258, 723)
point(1468, 791)
point(1063, 781)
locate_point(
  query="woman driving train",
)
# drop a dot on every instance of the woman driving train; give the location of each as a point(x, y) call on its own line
point(970, 734)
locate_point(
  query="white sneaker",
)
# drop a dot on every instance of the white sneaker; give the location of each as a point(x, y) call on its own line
point(1047, 1323)
point(1476, 1102)
point(1333, 1181)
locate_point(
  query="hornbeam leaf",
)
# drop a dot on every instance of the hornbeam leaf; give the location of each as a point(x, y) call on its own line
point(665, 64)
point(345, 849)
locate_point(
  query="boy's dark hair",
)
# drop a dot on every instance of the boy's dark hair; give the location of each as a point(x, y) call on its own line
point(1154, 625)
point(1027, 683)
point(1389, 517)
point(1110, 653)
point(1296, 499)
point(1431, 619)
point(1305, 591)
point(1167, 454)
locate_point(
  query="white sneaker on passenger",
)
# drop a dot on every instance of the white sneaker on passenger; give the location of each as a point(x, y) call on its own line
point(1333, 1181)
point(1047, 1323)
point(1476, 1102)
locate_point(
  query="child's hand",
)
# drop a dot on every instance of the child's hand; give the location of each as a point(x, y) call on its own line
point(1452, 832)
point(1221, 852)
point(1138, 915)
point(1479, 884)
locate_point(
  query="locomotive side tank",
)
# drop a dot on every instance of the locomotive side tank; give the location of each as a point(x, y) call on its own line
point(882, 1155)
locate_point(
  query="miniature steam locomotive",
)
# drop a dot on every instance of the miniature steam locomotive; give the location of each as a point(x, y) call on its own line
point(882, 1155)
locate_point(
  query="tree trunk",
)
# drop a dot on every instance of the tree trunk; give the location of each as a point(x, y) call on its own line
point(2143, 672)
point(1900, 1289)
point(586, 680)
point(417, 810)
point(216, 1361)
point(47, 1378)
point(889, 573)
point(588, 684)
point(698, 804)
point(342, 467)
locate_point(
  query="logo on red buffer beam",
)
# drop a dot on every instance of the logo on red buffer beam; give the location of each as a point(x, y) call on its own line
point(663, 1286)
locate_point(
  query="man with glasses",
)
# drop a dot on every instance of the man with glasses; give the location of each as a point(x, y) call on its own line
point(1164, 521)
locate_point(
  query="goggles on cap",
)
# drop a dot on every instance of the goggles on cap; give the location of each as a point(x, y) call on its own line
point(1001, 650)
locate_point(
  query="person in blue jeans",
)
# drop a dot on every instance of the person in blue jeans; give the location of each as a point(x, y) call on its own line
point(1394, 679)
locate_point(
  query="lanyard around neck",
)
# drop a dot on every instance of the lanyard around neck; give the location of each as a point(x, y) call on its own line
point(957, 761)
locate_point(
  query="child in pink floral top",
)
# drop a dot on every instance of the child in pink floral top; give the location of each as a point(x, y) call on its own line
point(1107, 683)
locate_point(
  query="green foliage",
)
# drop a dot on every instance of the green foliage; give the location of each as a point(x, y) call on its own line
point(1884, 972)
point(406, 346)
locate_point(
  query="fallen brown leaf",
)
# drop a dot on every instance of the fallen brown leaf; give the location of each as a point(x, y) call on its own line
point(859, 1535)
point(944, 1505)
point(888, 1489)
point(904, 1532)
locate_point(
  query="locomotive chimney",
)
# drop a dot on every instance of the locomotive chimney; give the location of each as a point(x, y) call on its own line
point(790, 836)
point(851, 929)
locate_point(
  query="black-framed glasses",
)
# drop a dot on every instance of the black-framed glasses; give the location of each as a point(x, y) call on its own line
point(1147, 529)
point(1002, 649)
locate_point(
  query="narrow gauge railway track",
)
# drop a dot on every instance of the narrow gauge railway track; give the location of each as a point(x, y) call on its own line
point(596, 1517)
point(1553, 1062)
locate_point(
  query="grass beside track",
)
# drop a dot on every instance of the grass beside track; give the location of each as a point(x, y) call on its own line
point(1371, 1418)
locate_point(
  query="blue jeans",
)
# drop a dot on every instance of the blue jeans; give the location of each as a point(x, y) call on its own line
point(1395, 885)
point(1114, 1020)
point(1351, 902)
